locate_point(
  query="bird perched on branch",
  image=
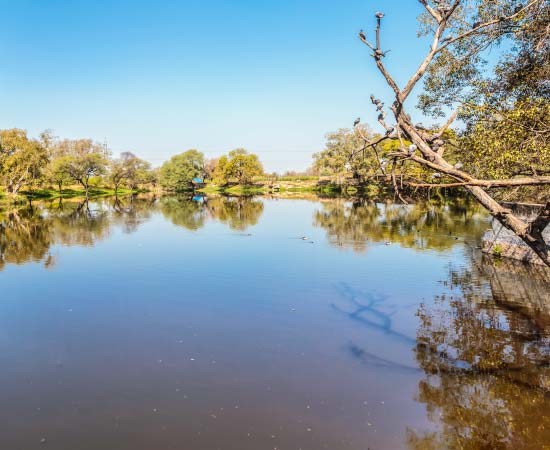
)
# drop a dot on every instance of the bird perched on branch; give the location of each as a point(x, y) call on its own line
point(362, 35)
point(379, 15)
point(436, 175)
point(357, 122)
point(412, 149)
point(458, 166)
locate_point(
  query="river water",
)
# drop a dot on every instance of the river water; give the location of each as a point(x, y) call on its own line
point(266, 323)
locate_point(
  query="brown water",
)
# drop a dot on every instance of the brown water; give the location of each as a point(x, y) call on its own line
point(150, 324)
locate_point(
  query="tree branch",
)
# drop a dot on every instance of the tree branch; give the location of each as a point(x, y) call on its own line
point(538, 225)
point(485, 25)
point(535, 181)
point(449, 122)
point(431, 11)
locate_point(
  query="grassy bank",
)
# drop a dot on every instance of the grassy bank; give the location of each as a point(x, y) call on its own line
point(73, 192)
point(267, 187)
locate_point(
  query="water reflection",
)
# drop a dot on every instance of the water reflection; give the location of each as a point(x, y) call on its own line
point(184, 213)
point(27, 233)
point(238, 213)
point(24, 236)
point(485, 353)
point(435, 226)
point(452, 354)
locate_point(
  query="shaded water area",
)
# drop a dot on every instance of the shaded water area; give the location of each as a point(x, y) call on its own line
point(173, 323)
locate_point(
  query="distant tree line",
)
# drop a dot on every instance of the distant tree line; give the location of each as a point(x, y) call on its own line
point(50, 162)
point(238, 167)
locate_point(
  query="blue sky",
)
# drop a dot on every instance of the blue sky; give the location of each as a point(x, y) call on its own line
point(158, 78)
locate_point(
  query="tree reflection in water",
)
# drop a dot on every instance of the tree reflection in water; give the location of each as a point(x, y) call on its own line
point(238, 213)
point(27, 233)
point(433, 226)
point(183, 212)
point(486, 361)
point(483, 346)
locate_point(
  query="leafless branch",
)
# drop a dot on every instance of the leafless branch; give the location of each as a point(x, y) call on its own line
point(447, 124)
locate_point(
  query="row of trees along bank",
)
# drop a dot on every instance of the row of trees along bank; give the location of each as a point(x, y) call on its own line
point(52, 163)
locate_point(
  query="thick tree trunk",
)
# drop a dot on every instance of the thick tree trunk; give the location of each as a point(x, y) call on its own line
point(532, 238)
point(432, 157)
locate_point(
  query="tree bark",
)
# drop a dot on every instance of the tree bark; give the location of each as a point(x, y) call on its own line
point(530, 233)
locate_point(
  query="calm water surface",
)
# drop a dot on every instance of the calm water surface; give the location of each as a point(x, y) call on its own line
point(171, 323)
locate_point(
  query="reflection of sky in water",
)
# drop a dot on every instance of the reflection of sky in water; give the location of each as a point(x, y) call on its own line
point(212, 324)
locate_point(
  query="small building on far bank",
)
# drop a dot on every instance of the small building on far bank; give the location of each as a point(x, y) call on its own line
point(197, 183)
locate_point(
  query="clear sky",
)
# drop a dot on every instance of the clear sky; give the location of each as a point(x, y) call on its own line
point(158, 78)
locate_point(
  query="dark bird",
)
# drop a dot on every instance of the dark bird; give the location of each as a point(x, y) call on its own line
point(476, 24)
point(518, 8)
point(362, 35)
point(357, 122)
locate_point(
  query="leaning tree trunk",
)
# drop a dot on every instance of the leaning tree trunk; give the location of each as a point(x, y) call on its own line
point(430, 144)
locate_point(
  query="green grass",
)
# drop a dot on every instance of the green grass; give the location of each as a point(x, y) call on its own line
point(297, 178)
point(42, 194)
point(234, 190)
point(259, 189)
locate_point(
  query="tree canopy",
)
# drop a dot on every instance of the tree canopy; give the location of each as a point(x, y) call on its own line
point(239, 166)
point(130, 169)
point(21, 159)
point(456, 78)
point(177, 173)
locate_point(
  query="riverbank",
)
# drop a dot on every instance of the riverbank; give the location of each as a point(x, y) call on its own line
point(264, 187)
point(72, 192)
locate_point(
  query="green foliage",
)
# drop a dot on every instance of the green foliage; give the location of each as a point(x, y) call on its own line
point(81, 168)
point(130, 169)
point(239, 166)
point(497, 250)
point(344, 153)
point(177, 173)
point(518, 45)
point(509, 141)
point(56, 172)
point(21, 159)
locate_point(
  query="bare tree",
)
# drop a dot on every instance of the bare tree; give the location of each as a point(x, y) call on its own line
point(445, 23)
